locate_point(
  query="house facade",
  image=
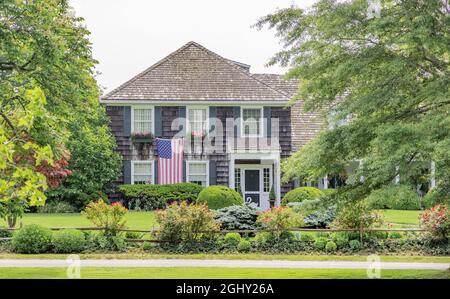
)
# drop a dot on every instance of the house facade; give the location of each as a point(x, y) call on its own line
point(236, 126)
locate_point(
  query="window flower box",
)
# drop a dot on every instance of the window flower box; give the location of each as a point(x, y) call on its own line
point(145, 137)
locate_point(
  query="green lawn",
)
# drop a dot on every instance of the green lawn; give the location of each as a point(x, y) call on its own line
point(136, 220)
point(401, 218)
point(146, 220)
point(181, 272)
point(235, 256)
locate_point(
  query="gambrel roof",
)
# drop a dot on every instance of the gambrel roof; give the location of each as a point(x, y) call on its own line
point(194, 73)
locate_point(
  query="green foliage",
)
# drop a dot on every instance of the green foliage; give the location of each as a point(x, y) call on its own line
point(388, 75)
point(306, 237)
point(133, 235)
point(279, 220)
point(57, 207)
point(232, 239)
point(302, 193)
point(331, 246)
point(437, 221)
point(355, 244)
point(218, 197)
point(397, 197)
point(395, 235)
point(242, 217)
point(357, 215)
point(186, 222)
point(244, 246)
point(32, 238)
point(94, 162)
point(111, 219)
point(436, 196)
point(341, 242)
point(68, 241)
point(320, 243)
point(150, 197)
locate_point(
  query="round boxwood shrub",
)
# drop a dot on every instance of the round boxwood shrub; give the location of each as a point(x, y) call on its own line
point(306, 237)
point(330, 246)
point(232, 239)
point(218, 197)
point(320, 243)
point(302, 193)
point(244, 246)
point(341, 242)
point(32, 238)
point(436, 196)
point(355, 244)
point(68, 241)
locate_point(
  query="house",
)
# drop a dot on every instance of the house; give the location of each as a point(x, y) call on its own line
point(236, 124)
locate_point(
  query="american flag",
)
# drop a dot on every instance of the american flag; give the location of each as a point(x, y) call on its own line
point(170, 160)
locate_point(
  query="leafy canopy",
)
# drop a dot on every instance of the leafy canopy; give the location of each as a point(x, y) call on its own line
point(390, 75)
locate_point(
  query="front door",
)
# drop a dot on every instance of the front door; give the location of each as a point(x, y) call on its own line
point(256, 183)
point(252, 189)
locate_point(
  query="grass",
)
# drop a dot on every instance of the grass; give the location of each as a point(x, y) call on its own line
point(401, 218)
point(201, 272)
point(146, 220)
point(134, 220)
point(246, 256)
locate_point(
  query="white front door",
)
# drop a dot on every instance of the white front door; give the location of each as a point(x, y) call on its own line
point(256, 183)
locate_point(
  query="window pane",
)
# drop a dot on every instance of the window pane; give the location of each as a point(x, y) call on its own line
point(266, 179)
point(252, 121)
point(142, 168)
point(197, 120)
point(197, 168)
point(198, 173)
point(142, 121)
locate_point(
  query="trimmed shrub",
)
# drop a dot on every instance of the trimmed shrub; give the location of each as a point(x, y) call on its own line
point(306, 237)
point(68, 241)
point(436, 196)
point(244, 246)
point(232, 239)
point(302, 193)
point(238, 217)
point(357, 215)
point(32, 238)
point(398, 197)
point(341, 242)
point(218, 197)
point(354, 244)
point(264, 238)
point(149, 197)
point(186, 222)
point(320, 243)
point(57, 207)
point(330, 246)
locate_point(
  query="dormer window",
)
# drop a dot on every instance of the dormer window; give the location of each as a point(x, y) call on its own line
point(251, 122)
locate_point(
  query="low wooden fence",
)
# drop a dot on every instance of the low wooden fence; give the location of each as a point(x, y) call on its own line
point(297, 229)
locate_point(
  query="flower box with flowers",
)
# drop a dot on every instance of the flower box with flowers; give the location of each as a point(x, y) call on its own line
point(145, 137)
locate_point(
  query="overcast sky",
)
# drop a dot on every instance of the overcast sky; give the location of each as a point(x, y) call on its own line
point(130, 35)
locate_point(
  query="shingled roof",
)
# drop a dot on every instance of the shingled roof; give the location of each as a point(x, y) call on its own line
point(194, 73)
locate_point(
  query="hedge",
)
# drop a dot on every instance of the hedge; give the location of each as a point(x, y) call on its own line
point(302, 193)
point(218, 197)
point(397, 197)
point(150, 197)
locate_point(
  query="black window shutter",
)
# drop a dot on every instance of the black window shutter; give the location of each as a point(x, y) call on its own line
point(212, 173)
point(155, 172)
point(158, 121)
point(127, 121)
point(127, 172)
point(212, 121)
point(182, 120)
point(237, 121)
point(267, 122)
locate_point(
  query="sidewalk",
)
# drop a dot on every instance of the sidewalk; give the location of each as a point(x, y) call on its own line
point(33, 263)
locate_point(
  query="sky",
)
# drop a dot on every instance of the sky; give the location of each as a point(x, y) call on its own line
point(128, 36)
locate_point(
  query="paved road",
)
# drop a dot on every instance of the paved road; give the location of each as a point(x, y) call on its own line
point(13, 263)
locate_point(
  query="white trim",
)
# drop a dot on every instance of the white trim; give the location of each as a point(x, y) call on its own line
point(261, 121)
point(198, 162)
point(194, 107)
point(143, 107)
point(152, 174)
point(186, 103)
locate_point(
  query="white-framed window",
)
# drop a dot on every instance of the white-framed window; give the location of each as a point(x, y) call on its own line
point(197, 119)
point(142, 172)
point(251, 122)
point(266, 179)
point(237, 179)
point(197, 172)
point(142, 119)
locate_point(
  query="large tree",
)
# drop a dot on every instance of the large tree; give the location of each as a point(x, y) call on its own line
point(387, 70)
point(48, 96)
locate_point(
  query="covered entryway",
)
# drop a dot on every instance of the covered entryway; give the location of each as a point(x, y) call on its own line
point(256, 183)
